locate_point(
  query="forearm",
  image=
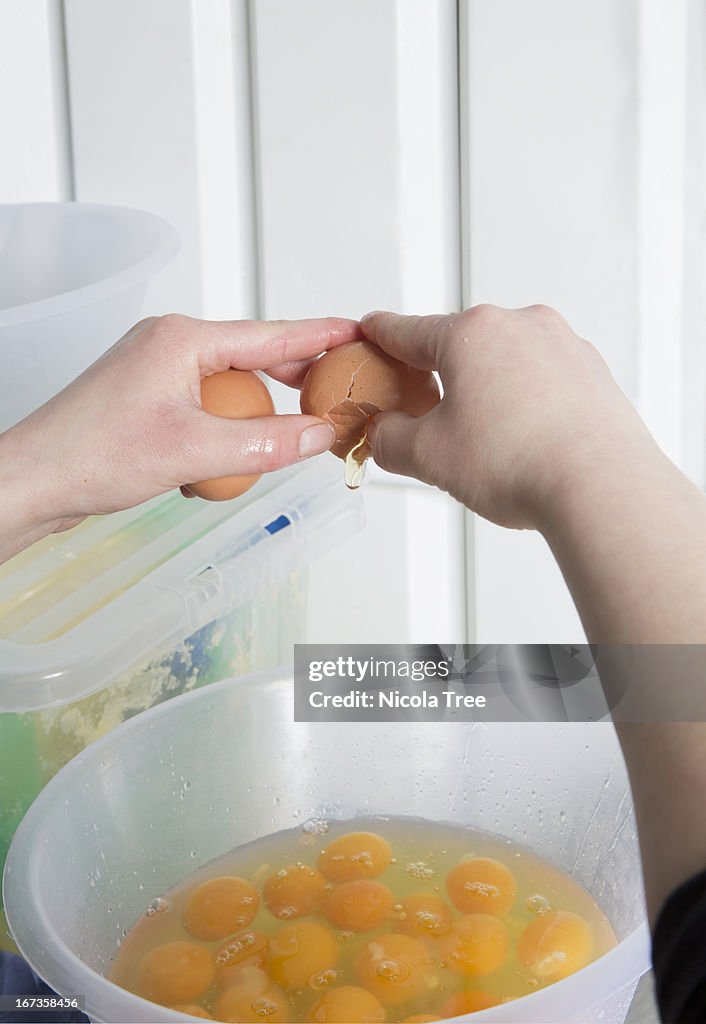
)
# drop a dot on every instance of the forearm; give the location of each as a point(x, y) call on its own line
point(629, 534)
point(667, 767)
point(631, 541)
point(26, 513)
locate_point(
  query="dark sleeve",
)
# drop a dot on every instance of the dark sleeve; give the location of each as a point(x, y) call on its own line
point(679, 954)
point(18, 979)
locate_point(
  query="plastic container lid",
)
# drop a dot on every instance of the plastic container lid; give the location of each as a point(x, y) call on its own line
point(79, 609)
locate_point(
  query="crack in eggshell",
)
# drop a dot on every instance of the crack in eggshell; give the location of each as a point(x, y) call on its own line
point(353, 417)
point(353, 377)
point(353, 383)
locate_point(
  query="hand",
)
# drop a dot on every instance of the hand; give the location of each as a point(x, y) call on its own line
point(527, 406)
point(132, 427)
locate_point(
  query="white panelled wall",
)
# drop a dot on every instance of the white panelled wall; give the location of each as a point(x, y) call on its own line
point(357, 171)
point(550, 176)
point(35, 145)
point(574, 155)
point(160, 120)
point(418, 155)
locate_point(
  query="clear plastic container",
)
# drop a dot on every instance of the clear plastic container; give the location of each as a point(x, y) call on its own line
point(72, 281)
point(188, 781)
point(128, 610)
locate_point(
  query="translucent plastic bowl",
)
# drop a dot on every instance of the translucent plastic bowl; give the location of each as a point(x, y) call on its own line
point(72, 280)
point(189, 780)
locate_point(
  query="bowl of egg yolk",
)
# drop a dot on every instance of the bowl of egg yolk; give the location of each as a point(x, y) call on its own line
point(213, 859)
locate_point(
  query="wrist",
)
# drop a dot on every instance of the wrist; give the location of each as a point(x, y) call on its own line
point(628, 531)
point(606, 478)
point(27, 512)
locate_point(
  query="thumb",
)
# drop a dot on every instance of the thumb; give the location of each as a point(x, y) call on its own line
point(223, 447)
point(396, 440)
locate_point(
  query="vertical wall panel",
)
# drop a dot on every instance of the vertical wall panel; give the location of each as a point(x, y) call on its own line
point(662, 115)
point(549, 144)
point(160, 112)
point(34, 129)
point(357, 156)
point(357, 150)
point(693, 450)
point(400, 580)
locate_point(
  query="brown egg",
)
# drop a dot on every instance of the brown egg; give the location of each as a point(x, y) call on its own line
point(351, 384)
point(235, 395)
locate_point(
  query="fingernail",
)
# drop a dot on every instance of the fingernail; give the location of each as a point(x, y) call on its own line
point(316, 439)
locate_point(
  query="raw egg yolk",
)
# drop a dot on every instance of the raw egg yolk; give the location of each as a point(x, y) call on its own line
point(175, 973)
point(359, 906)
point(355, 855)
point(293, 891)
point(219, 907)
point(251, 999)
point(481, 885)
point(299, 953)
point(476, 945)
point(395, 968)
point(555, 945)
point(193, 1010)
point(425, 914)
point(246, 949)
point(468, 1002)
point(345, 1004)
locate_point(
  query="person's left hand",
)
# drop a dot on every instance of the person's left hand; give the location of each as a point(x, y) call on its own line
point(131, 426)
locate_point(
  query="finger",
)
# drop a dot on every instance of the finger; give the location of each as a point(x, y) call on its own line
point(398, 443)
point(292, 373)
point(186, 493)
point(262, 345)
point(224, 447)
point(416, 340)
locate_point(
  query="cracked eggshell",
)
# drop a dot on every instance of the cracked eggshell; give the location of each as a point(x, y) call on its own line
point(351, 384)
point(236, 395)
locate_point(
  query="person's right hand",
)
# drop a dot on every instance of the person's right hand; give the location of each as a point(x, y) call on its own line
point(533, 431)
point(131, 426)
point(527, 406)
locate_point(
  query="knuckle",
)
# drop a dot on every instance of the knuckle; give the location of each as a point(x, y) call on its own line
point(547, 314)
point(264, 452)
point(146, 321)
point(273, 344)
point(172, 323)
point(593, 352)
point(483, 315)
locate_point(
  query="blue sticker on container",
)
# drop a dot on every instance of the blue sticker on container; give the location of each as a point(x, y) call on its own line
point(278, 524)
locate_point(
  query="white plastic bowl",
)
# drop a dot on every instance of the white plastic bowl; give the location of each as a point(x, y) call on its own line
point(119, 825)
point(72, 281)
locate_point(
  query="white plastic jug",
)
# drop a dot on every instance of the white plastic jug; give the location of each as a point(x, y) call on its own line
point(193, 778)
point(72, 280)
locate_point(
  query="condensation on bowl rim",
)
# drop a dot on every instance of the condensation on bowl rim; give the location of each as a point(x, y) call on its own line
point(613, 973)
